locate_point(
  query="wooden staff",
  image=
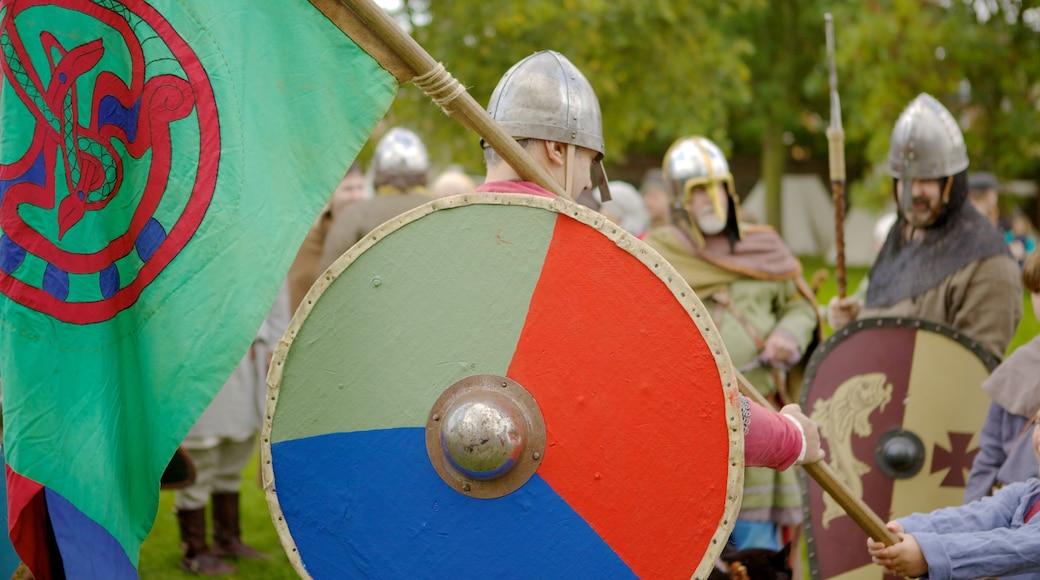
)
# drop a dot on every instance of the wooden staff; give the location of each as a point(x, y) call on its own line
point(836, 150)
point(857, 509)
point(383, 39)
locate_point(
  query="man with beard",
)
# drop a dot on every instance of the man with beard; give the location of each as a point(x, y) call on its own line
point(942, 261)
point(754, 289)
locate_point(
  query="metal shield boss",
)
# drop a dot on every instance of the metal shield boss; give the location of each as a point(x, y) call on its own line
point(502, 385)
point(899, 404)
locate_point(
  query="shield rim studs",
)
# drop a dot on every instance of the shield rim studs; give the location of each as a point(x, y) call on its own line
point(487, 388)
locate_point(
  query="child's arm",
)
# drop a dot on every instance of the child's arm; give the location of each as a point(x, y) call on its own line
point(990, 457)
point(995, 553)
point(982, 539)
point(987, 513)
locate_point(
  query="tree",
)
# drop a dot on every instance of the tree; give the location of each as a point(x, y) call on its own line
point(661, 69)
point(984, 66)
point(788, 85)
point(751, 75)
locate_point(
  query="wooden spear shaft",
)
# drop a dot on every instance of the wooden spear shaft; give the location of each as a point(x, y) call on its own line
point(836, 150)
point(382, 38)
point(857, 509)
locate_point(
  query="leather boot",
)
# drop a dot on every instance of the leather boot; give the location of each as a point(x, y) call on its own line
point(227, 535)
point(197, 556)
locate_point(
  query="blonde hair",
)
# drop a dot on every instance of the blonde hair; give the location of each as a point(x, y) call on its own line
point(1031, 272)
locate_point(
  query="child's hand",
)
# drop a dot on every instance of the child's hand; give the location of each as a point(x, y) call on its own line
point(902, 559)
point(875, 547)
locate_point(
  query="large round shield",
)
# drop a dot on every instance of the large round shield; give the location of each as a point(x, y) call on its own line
point(899, 404)
point(502, 385)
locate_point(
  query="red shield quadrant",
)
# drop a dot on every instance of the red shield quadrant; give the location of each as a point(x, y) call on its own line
point(899, 404)
point(642, 465)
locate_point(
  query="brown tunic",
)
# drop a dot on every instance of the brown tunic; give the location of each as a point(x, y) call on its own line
point(304, 269)
point(983, 300)
point(360, 218)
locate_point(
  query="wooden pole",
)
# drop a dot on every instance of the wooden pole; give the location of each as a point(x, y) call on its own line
point(836, 150)
point(857, 509)
point(381, 37)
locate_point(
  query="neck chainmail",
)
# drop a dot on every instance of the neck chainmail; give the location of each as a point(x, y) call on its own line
point(908, 268)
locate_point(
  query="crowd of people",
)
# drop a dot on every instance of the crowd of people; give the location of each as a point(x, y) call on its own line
point(688, 210)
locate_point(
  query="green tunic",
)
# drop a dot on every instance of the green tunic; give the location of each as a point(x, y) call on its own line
point(750, 294)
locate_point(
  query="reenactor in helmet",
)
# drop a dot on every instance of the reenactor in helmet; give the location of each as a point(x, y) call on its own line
point(400, 168)
point(942, 261)
point(752, 285)
point(548, 105)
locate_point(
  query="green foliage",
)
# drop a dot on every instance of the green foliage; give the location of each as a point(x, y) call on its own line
point(1028, 328)
point(660, 69)
point(986, 72)
point(734, 69)
point(787, 65)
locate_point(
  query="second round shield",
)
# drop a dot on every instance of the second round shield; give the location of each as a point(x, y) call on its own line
point(502, 386)
point(899, 404)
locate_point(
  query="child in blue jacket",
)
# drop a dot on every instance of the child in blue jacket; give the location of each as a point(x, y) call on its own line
point(996, 536)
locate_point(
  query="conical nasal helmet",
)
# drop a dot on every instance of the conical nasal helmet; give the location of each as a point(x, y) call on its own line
point(926, 142)
point(545, 96)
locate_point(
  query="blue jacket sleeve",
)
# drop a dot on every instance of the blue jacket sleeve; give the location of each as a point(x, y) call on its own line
point(991, 454)
point(981, 539)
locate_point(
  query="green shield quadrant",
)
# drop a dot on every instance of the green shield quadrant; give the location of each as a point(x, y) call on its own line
point(643, 454)
point(457, 289)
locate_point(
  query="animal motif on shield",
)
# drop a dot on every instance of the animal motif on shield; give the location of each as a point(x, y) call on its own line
point(845, 413)
point(898, 402)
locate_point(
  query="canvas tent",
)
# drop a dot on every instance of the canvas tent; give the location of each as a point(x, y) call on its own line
point(808, 220)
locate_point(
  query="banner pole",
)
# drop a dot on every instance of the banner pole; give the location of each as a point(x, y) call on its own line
point(379, 34)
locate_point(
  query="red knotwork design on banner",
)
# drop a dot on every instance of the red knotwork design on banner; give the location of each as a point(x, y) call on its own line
point(91, 211)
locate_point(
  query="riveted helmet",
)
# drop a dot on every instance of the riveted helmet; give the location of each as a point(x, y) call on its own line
point(400, 160)
point(545, 96)
point(926, 144)
point(697, 161)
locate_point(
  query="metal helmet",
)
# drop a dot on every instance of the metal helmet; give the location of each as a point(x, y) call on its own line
point(694, 161)
point(926, 142)
point(545, 96)
point(400, 159)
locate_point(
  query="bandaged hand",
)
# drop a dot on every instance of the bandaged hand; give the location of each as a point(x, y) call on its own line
point(811, 450)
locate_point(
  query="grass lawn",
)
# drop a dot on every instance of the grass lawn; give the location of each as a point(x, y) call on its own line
point(160, 554)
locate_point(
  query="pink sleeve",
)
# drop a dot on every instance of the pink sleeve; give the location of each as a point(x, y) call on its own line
point(770, 439)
